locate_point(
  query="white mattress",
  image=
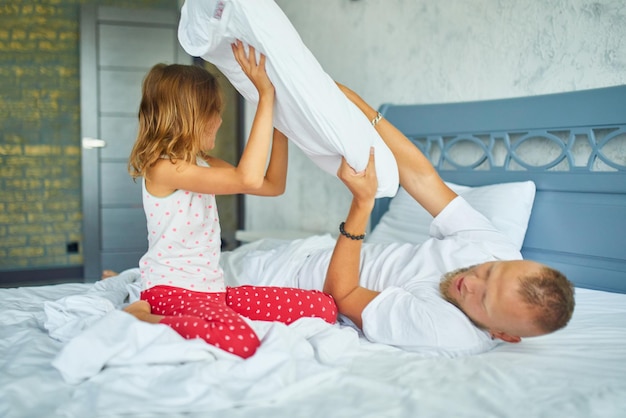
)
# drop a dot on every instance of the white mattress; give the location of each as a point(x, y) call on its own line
point(307, 369)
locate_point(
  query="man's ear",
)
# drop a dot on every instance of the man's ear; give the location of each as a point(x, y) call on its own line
point(505, 337)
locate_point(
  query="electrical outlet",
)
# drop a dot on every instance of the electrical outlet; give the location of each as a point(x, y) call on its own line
point(72, 247)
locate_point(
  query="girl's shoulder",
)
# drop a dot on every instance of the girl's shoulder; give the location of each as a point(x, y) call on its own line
point(171, 166)
point(167, 175)
point(159, 177)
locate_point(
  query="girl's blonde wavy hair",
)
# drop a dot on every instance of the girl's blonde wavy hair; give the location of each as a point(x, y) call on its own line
point(178, 104)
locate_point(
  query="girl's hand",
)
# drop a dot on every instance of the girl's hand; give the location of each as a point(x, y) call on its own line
point(255, 71)
point(362, 185)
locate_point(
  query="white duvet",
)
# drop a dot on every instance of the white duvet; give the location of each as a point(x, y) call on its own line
point(68, 351)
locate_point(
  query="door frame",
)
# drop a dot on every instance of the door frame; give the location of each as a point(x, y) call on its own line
point(91, 15)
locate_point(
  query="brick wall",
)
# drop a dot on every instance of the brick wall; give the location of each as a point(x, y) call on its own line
point(40, 184)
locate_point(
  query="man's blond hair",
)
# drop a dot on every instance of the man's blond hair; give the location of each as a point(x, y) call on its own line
point(551, 295)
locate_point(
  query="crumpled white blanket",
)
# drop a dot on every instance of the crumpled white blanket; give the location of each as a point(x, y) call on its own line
point(111, 357)
point(307, 369)
point(271, 262)
point(310, 109)
point(118, 339)
point(66, 317)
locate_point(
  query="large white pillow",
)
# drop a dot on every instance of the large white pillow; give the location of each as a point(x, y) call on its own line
point(309, 109)
point(506, 205)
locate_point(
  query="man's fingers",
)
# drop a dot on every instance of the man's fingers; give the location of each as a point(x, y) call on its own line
point(372, 153)
point(371, 165)
point(342, 166)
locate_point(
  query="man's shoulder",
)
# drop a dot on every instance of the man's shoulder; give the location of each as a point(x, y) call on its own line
point(420, 320)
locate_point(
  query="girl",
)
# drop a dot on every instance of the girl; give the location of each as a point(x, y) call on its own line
point(183, 284)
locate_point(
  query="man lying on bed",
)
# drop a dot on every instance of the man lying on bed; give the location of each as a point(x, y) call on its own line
point(425, 297)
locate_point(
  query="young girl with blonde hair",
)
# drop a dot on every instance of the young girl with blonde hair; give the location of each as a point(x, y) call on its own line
point(182, 283)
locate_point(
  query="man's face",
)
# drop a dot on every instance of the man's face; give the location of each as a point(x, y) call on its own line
point(489, 295)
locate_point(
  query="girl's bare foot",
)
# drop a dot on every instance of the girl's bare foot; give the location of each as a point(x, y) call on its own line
point(108, 273)
point(141, 310)
point(141, 307)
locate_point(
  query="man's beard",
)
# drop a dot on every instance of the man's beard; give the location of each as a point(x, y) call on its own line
point(446, 282)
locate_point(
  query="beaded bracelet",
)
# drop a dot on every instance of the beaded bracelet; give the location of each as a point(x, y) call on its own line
point(348, 235)
point(377, 119)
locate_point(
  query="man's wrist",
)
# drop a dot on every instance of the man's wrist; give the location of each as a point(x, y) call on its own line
point(347, 234)
point(363, 204)
point(376, 119)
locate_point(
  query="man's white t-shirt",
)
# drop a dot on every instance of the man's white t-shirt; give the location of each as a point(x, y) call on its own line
point(409, 312)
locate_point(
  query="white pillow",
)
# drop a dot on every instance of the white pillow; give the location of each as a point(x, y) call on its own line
point(506, 205)
point(309, 109)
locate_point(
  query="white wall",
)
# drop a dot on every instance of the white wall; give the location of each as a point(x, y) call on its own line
point(421, 51)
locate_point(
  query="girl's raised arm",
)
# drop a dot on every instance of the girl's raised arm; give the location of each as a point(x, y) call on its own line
point(249, 175)
point(276, 174)
point(253, 160)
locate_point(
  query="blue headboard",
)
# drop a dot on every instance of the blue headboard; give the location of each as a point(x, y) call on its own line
point(572, 145)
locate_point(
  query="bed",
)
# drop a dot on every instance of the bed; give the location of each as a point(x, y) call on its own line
point(66, 350)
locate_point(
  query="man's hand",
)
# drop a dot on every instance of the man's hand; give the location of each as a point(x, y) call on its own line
point(362, 185)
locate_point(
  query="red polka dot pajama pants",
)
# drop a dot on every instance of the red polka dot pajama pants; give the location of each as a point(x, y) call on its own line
point(217, 317)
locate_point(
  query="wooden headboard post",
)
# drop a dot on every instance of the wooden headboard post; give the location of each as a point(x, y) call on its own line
point(578, 223)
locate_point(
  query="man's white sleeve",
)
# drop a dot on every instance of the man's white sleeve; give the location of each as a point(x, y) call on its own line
point(427, 325)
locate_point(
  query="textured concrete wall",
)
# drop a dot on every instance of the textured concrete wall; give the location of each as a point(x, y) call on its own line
point(425, 51)
point(40, 187)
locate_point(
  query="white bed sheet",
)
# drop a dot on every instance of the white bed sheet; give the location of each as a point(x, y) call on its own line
point(307, 369)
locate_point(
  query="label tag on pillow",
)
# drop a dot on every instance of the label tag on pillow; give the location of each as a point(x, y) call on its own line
point(219, 9)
